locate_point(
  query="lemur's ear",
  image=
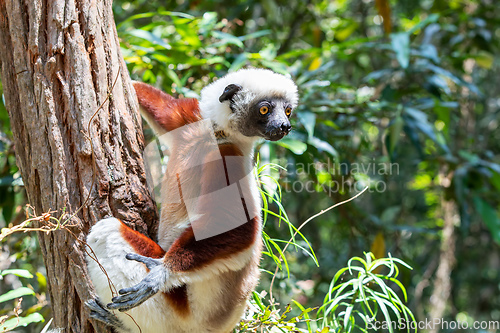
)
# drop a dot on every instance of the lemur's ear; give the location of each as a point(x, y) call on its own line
point(229, 92)
point(164, 112)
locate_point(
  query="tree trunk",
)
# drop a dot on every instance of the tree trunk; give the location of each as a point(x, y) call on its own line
point(59, 60)
point(442, 283)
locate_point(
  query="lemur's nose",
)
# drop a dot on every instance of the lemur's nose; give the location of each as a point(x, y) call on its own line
point(286, 127)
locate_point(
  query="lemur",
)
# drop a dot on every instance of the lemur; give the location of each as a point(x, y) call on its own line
point(198, 276)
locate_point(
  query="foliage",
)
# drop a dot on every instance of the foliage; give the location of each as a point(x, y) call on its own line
point(401, 96)
point(270, 191)
point(10, 321)
point(364, 295)
point(269, 318)
point(361, 296)
point(394, 95)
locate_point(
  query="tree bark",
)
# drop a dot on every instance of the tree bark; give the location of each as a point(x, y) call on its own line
point(59, 60)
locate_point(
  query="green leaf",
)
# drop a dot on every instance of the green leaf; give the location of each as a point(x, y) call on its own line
point(429, 51)
point(151, 14)
point(254, 35)
point(485, 59)
point(322, 145)
point(308, 119)
point(347, 316)
point(18, 272)
point(21, 321)
point(418, 120)
point(400, 43)
point(495, 180)
point(395, 133)
point(382, 306)
point(239, 62)
point(454, 78)
point(13, 294)
point(489, 216)
point(226, 39)
point(150, 37)
point(295, 146)
point(430, 19)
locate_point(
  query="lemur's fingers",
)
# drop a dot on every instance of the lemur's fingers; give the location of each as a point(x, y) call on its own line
point(133, 289)
point(134, 292)
point(138, 294)
point(150, 262)
point(129, 301)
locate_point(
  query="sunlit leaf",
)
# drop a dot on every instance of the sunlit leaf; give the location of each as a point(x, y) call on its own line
point(430, 19)
point(343, 33)
point(22, 321)
point(484, 59)
point(18, 272)
point(16, 293)
point(315, 64)
point(295, 146)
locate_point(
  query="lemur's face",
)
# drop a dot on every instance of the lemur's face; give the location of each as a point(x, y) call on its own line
point(267, 117)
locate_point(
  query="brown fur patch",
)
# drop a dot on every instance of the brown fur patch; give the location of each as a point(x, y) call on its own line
point(178, 300)
point(140, 243)
point(187, 254)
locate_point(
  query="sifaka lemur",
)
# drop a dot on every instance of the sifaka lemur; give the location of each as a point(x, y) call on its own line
point(198, 276)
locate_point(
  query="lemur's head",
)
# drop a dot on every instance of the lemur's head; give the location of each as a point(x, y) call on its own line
point(251, 103)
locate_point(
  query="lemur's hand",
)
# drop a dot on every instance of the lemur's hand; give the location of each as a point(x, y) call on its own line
point(141, 292)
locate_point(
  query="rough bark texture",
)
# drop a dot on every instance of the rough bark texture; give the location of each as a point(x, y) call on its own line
point(59, 59)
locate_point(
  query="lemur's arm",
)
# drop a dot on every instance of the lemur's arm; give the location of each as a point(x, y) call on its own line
point(164, 112)
point(189, 259)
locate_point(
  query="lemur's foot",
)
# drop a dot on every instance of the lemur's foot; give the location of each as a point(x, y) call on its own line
point(98, 311)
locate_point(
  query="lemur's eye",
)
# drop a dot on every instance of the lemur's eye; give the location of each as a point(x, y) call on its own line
point(288, 111)
point(264, 110)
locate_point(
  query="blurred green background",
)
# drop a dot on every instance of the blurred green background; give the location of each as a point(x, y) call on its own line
point(403, 96)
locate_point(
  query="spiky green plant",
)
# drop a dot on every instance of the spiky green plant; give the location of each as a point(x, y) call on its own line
point(355, 303)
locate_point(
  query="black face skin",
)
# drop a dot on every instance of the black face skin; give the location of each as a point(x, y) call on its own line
point(273, 125)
